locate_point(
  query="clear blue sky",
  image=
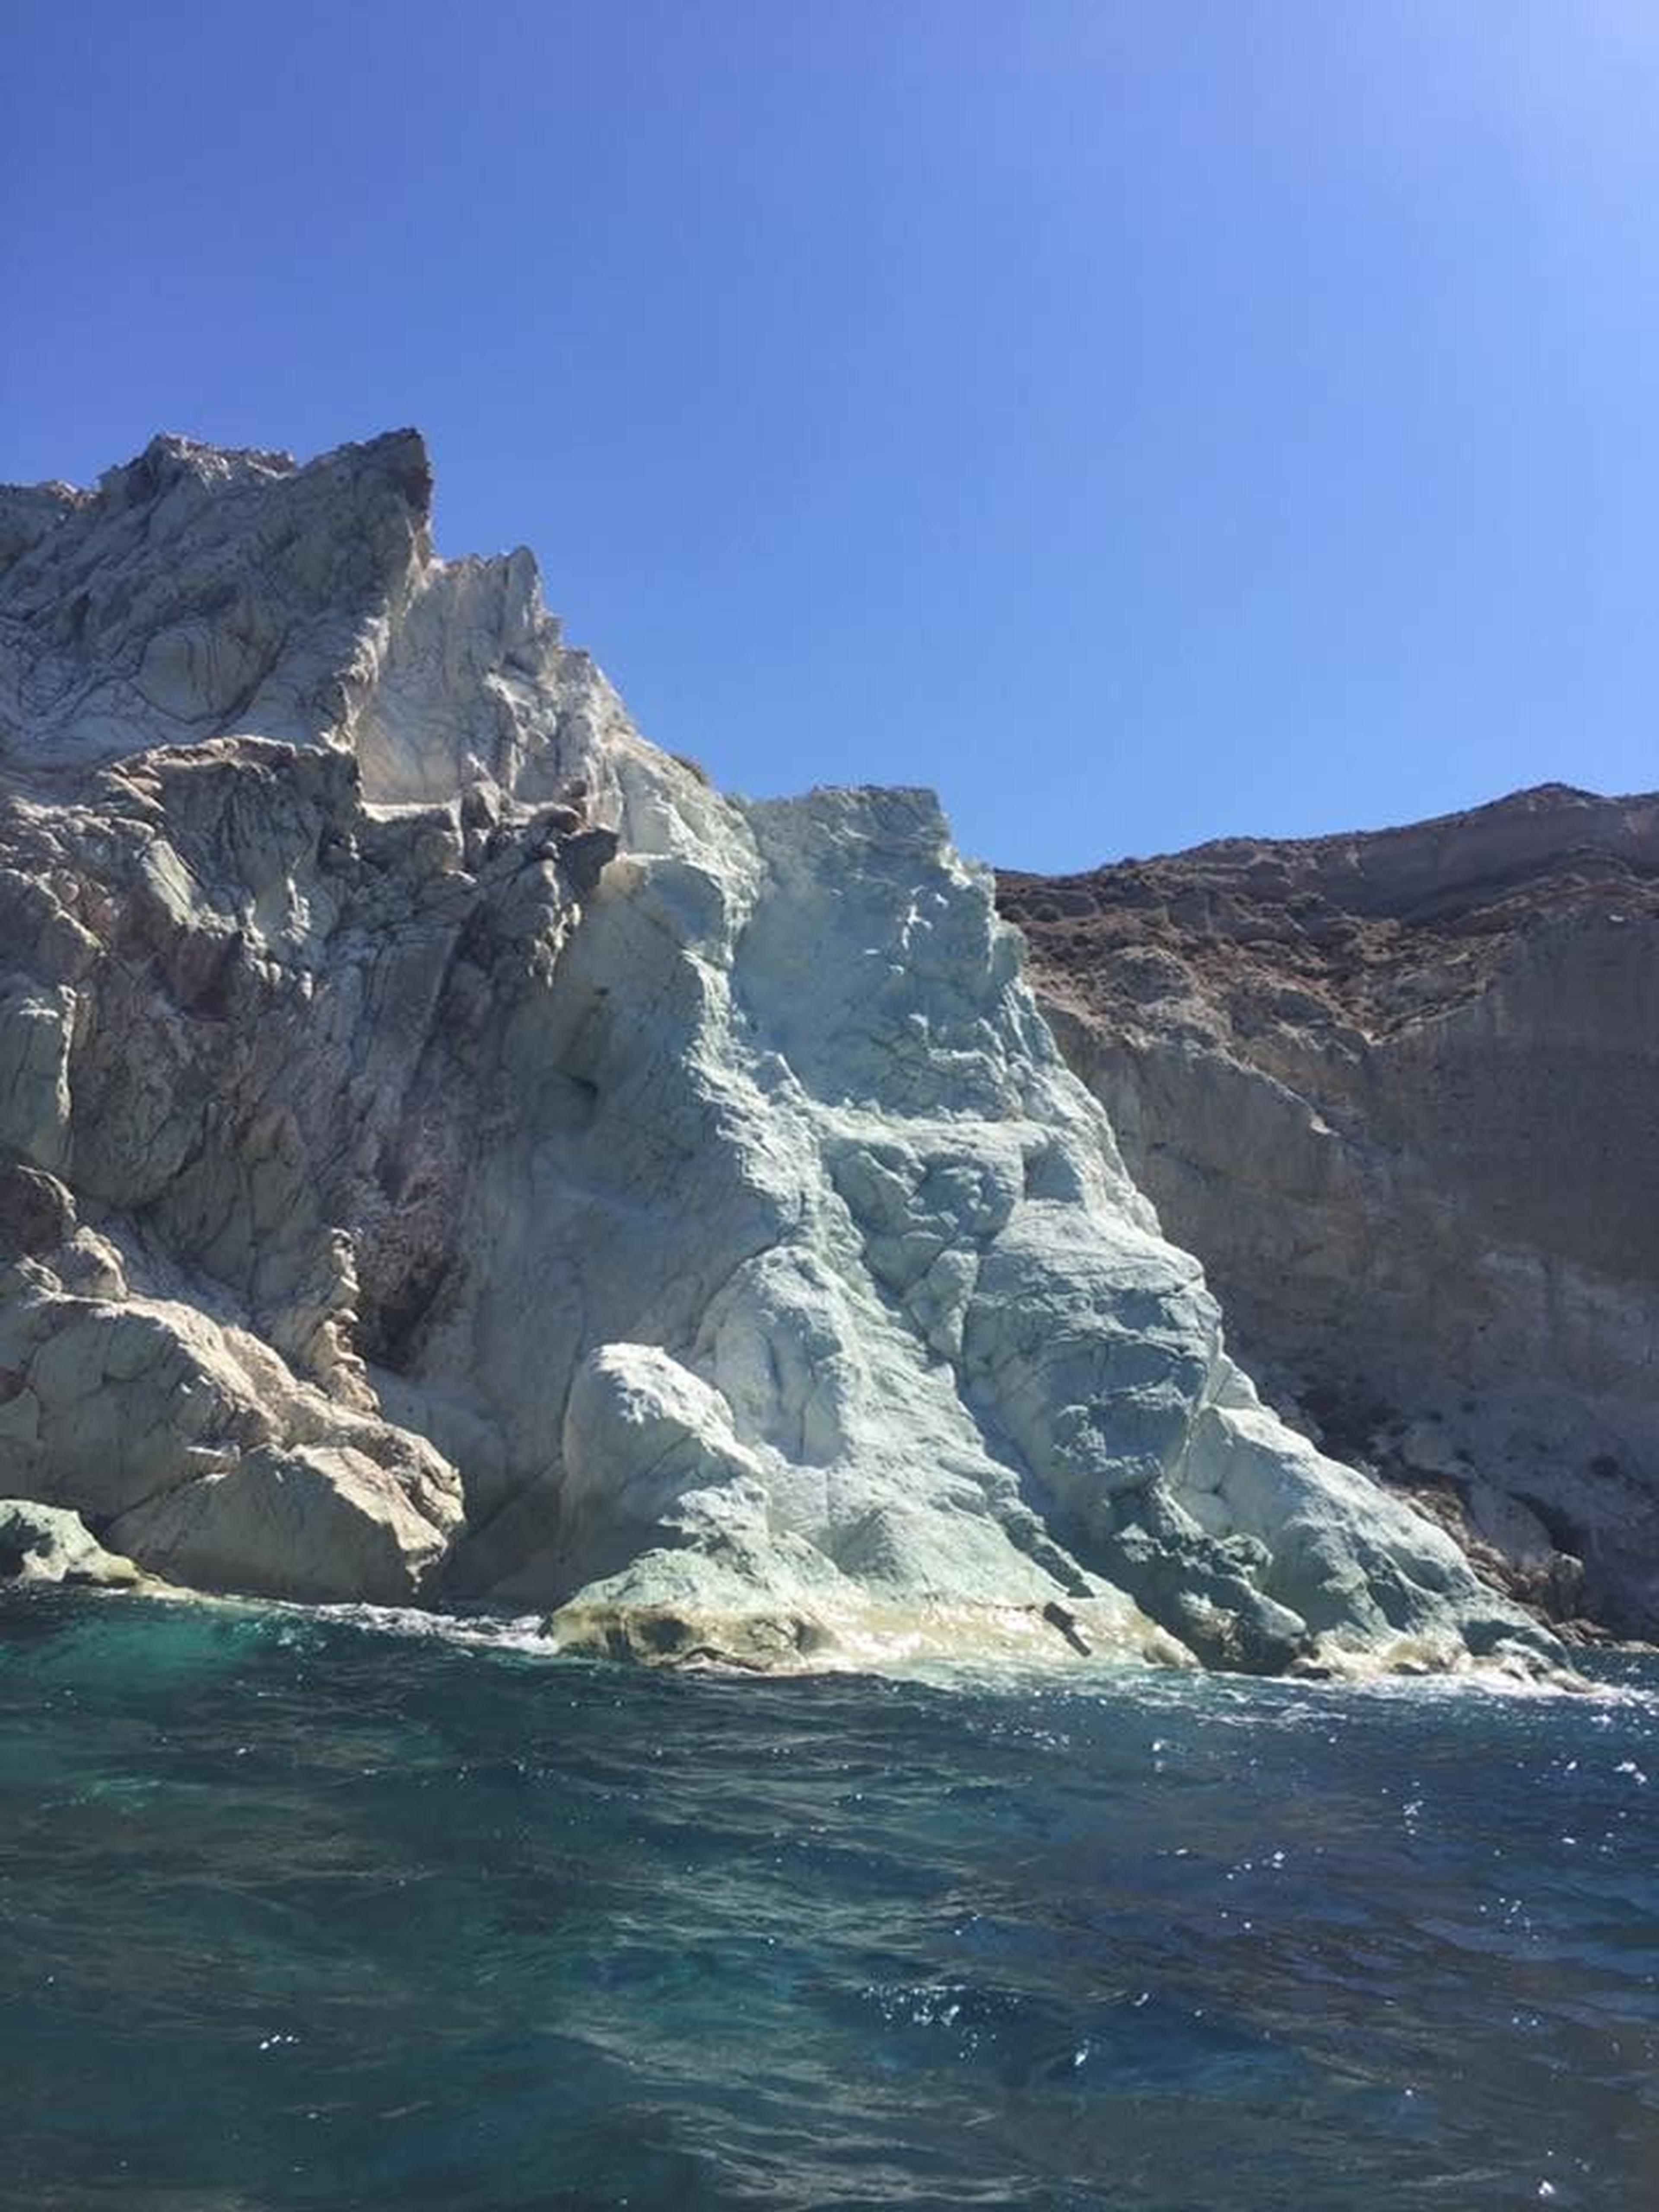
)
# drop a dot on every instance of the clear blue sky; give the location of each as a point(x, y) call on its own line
point(1143, 422)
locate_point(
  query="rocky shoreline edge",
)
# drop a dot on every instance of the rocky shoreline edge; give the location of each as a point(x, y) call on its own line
point(48, 1547)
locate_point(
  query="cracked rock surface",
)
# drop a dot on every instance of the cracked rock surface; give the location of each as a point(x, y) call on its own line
point(449, 1154)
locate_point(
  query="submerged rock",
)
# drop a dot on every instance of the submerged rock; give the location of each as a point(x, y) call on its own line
point(454, 1154)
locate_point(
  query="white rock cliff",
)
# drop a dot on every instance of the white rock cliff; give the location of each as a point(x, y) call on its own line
point(454, 1156)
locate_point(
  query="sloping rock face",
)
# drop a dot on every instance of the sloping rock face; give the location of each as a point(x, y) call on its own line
point(453, 1155)
point(1401, 1092)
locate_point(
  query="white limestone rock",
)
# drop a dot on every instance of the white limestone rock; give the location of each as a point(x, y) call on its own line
point(643, 1436)
point(456, 1153)
point(317, 1523)
point(43, 1544)
point(190, 1440)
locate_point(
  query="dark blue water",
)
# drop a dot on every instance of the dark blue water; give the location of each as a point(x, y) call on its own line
point(295, 1912)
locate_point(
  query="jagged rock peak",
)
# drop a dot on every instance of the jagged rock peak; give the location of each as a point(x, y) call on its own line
point(199, 593)
point(171, 459)
point(180, 469)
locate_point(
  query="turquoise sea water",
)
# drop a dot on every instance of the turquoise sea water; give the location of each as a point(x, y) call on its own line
point(302, 1912)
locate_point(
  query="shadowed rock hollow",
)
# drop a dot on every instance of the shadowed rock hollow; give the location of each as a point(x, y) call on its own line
point(453, 1155)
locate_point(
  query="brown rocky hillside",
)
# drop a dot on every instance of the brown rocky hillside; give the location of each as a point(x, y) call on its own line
point(1400, 1093)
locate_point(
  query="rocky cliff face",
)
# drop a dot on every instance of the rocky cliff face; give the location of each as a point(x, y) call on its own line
point(1401, 1092)
point(452, 1155)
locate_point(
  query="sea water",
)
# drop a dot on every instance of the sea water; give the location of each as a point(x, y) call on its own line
point(302, 1912)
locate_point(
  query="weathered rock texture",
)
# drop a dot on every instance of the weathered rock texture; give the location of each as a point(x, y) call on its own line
point(1401, 1093)
point(45, 1544)
point(453, 1153)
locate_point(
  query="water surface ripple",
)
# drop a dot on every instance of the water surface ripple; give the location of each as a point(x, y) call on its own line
point(299, 1912)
